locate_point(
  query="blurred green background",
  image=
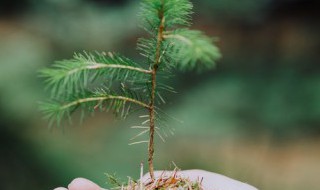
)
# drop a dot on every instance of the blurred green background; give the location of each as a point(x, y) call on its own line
point(255, 118)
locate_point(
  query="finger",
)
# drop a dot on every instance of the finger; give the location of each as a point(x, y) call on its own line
point(60, 188)
point(83, 184)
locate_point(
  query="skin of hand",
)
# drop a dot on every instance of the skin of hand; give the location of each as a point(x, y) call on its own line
point(210, 181)
point(81, 184)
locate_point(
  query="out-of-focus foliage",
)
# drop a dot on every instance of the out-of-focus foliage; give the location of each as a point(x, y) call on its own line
point(265, 89)
point(246, 10)
point(21, 55)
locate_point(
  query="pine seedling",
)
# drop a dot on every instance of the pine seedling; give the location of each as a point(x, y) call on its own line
point(110, 81)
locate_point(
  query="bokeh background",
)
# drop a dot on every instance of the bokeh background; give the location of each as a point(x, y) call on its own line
point(255, 118)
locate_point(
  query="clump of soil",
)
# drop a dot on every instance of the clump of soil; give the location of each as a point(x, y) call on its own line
point(164, 182)
point(173, 182)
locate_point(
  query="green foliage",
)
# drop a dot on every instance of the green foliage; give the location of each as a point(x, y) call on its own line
point(114, 180)
point(175, 12)
point(190, 47)
point(89, 80)
point(101, 99)
point(70, 76)
point(75, 82)
point(181, 48)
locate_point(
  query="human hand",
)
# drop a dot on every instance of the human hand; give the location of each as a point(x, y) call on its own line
point(210, 181)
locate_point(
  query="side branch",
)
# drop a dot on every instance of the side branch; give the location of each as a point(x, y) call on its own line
point(94, 66)
point(85, 100)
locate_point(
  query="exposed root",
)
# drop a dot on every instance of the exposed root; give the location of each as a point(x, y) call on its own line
point(173, 182)
point(164, 182)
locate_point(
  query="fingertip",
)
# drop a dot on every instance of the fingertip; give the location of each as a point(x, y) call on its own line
point(60, 188)
point(83, 184)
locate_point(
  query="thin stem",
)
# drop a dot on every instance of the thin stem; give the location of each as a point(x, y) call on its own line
point(153, 90)
point(152, 125)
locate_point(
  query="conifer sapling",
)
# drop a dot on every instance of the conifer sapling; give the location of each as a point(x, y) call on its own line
point(110, 81)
